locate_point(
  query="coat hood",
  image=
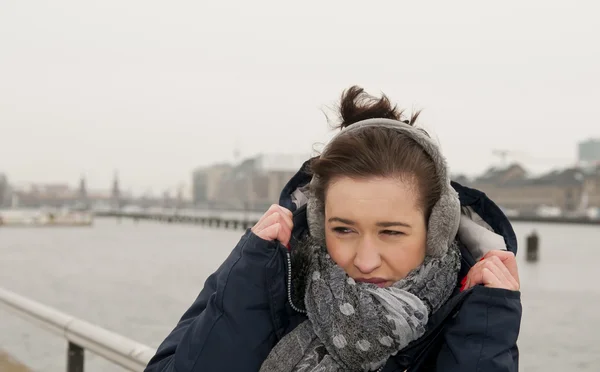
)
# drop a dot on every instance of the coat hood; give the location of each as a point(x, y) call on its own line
point(483, 226)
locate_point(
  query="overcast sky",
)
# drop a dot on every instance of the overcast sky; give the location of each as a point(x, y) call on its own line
point(157, 88)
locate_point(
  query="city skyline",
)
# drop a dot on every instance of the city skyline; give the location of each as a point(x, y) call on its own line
point(502, 159)
point(98, 178)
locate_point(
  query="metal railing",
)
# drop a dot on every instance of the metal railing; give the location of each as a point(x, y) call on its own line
point(80, 335)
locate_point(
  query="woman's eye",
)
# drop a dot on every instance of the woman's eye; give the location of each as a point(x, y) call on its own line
point(342, 230)
point(392, 232)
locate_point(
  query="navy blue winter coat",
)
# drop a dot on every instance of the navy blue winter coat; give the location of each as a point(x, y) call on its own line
point(243, 311)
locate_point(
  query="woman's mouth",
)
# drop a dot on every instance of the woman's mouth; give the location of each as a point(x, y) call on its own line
point(380, 282)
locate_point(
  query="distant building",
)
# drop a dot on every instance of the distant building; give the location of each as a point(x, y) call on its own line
point(499, 176)
point(271, 174)
point(572, 190)
point(4, 191)
point(568, 189)
point(589, 152)
point(45, 195)
point(280, 162)
point(591, 188)
point(253, 184)
point(206, 183)
point(83, 194)
point(115, 193)
point(37, 195)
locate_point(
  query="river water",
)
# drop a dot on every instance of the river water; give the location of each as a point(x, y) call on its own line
point(138, 279)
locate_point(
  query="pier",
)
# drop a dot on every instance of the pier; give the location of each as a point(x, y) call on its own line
point(224, 219)
point(556, 220)
point(243, 220)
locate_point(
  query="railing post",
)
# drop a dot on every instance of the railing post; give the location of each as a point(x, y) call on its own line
point(74, 358)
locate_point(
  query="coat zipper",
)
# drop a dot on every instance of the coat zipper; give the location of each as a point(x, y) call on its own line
point(289, 283)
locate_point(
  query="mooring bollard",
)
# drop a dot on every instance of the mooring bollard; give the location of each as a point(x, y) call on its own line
point(533, 242)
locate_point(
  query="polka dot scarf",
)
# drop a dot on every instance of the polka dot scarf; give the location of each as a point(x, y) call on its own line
point(357, 326)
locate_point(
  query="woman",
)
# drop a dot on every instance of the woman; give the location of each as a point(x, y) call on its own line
point(372, 261)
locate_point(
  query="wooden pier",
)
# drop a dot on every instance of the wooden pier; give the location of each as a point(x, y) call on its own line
point(245, 220)
point(227, 220)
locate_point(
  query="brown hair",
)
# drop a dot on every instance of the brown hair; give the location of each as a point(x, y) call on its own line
point(375, 151)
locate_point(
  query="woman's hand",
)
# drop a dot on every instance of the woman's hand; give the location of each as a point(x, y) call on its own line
point(275, 224)
point(497, 269)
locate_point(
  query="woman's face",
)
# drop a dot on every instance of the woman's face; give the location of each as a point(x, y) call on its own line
point(374, 228)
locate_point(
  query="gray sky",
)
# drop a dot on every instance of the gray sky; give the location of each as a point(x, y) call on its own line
point(155, 89)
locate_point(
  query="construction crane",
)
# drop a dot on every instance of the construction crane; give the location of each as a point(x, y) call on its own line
point(236, 151)
point(502, 154)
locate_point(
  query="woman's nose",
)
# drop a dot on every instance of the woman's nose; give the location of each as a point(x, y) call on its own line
point(367, 258)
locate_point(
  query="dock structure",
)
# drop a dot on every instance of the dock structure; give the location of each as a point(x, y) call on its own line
point(245, 220)
point(45, 218)
point(222, 219)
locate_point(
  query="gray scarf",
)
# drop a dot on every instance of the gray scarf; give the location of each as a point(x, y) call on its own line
point(357, 326)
